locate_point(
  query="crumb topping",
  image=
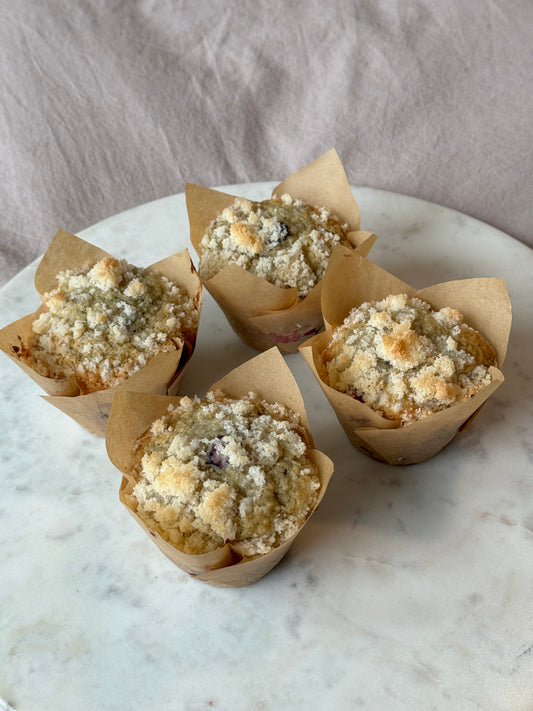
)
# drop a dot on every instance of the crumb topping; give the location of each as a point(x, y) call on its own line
point(223, 469)
point(105, 322)
point(406, 360)
point(282, 240)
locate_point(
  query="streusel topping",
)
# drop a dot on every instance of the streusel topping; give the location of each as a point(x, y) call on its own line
point(224, 469)
point(106, 321)
point(282, 240)
point(406, 360)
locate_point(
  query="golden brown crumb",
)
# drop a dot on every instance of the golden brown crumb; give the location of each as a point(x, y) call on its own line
point(245, 238)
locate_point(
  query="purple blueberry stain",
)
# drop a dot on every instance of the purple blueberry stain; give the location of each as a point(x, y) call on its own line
point(294, 336)
point(283, 230)
point(280, 234)
point(215, 453)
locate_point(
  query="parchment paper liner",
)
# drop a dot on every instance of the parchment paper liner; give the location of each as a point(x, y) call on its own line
point(262, 314)
point(349, 281)
point(162, 374)
point(132, 413)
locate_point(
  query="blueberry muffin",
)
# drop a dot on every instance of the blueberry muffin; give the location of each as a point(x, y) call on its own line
point(406, 360)
point(103, 323)
point(224, 469)
point(282, 240)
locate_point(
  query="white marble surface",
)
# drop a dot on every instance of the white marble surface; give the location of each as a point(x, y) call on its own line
point(408, 589)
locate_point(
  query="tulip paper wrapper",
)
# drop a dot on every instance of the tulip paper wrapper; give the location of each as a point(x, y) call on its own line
point(131, 415)
point(162, 374)
point(262, 314)
point(351, 280)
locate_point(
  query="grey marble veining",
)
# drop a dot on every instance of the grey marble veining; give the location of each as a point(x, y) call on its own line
point(408, 589)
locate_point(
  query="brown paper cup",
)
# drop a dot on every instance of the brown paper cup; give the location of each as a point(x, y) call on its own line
point(351, 280)
point(262, 314)
point(162, 374)
point(132, 413)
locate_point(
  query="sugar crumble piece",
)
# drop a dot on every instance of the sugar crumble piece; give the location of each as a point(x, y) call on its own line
point(245, 239)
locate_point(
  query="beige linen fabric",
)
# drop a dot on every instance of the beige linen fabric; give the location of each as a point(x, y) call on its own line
point(108, 104)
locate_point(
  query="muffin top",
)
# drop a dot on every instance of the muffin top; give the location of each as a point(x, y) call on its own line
point(105, 322)
point(282, 240)
point(224, 469)
point(406, 360)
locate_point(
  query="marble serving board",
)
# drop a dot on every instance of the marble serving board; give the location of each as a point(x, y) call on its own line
point(410, 588)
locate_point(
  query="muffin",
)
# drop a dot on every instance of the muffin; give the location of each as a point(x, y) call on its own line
point(263, 261)
point(282, 240)
point(406, 370)
point(105, 325)
point(104, 322)
point(222, 484)
point(407, 360)
point(223, 470)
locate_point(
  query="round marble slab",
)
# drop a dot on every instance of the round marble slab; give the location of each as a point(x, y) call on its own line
point(409, 588)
